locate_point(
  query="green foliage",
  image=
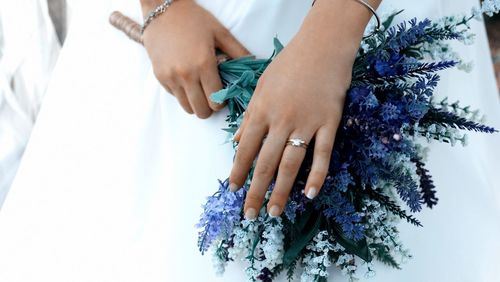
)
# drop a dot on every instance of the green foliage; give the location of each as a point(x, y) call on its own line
point(358, 248)
point(383, 255)
point(305, 228)
point(392, 206)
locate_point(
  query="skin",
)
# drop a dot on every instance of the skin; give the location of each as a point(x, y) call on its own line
point(183, 53)
point(300, 95)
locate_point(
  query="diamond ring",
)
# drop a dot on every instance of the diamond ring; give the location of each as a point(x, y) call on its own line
point(296, 142)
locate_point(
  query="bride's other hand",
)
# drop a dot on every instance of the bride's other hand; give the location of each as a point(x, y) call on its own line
point(181, 44)
point(300, 95)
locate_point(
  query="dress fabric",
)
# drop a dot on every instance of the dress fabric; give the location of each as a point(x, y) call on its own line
point(28, 53)
point(115, 173)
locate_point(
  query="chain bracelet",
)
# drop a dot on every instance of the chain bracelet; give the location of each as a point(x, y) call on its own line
point(160, 9)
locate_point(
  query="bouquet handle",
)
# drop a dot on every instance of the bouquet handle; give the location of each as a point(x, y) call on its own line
point(126, 25)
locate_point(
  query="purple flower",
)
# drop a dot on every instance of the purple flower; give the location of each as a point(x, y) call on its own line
point(389, 112)
point(221, 214)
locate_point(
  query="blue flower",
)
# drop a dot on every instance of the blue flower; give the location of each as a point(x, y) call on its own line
point(337, 207)
point(417, 109)
point(389, 111)
point(390, 67)
point(342, 180)
point(222, 213)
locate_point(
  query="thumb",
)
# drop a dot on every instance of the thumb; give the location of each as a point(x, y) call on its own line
point(228, 44)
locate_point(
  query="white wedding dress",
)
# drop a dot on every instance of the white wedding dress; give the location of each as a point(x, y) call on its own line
point(114, 176)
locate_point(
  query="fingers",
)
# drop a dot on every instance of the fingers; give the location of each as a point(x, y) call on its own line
point(168, 88)
point(197, 99)
point(192, 96)
point(211, 83)
point(274, 152)
point(323, 147)
point(267, 163)
point(239, 132)
point(226, 42)
point(245, 155)
point(183, 100)
point(288, 169)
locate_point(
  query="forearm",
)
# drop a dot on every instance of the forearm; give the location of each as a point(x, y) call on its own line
point(337, 24)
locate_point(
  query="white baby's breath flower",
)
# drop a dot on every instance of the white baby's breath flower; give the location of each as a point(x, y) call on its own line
point(318, 260)
point(490, 7)
point(242, 241)
point(273, 243)
point(466, 67)
point(465, 140)
point(469, 39)
point(218, 262)
point(477, 13)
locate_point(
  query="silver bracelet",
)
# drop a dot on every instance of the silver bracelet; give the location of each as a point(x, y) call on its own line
point(377, 18)
point(160, 9)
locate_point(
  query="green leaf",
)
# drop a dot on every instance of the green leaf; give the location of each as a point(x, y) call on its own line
point(384, 256)
point(387, 23)
point(320, 279)
point(277, 45)
point(237, 88)
point(358, 248)
point(220, 96)
point(291, 269)
point(304, 229)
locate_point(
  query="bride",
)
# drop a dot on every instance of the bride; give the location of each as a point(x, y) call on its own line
point(127, 144)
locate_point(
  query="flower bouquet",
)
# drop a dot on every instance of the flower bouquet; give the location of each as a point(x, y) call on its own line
point(377, 170)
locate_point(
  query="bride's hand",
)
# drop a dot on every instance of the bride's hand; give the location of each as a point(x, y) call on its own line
point(300, 95)
point(181, 44)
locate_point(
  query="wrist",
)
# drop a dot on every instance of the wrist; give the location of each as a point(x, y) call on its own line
point(148, 5)
point(337, 24)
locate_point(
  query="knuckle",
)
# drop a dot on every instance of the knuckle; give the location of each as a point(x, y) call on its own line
point(254, 198)
point(317, 176)
point(324, 150)
point(258, 117)
point(206, 63)
point(224, 32)
point(184, 72)
point(280, 196)
point(263, 169)
point(289, 165)
point(284, 122)
point(163, 75)
point(243, 156)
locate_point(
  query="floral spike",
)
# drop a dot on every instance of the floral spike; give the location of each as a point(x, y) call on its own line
point(441, 117)
point(427, 188)
point(391, 206)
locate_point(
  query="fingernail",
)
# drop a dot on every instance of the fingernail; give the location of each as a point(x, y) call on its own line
point(235, 136)
point(274, 211)
point(311, 193)
point(233, 187)
point(237, 131)
point(250, 214)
